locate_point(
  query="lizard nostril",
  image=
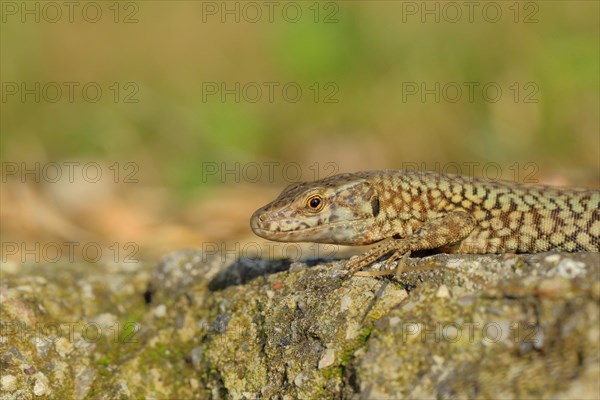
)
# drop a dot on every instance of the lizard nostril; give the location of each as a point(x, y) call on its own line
point(262, 217)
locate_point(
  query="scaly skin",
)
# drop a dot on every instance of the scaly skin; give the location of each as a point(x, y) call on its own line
point(410, 211)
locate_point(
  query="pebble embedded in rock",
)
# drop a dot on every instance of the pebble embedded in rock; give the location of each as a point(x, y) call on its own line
point(8, 383)
point(552, 258)
point(39, 388)
point(568, 268)
point(106, 321)
point(29, 370)
point(63, 347)
point(327, 359)
point(297, 266)
point(299, 379)
point(160, 311)
point(83, 382)
point(196, 356)
point(442, 292)
point(345, 303)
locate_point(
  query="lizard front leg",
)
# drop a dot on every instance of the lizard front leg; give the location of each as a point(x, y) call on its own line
point(440, 232)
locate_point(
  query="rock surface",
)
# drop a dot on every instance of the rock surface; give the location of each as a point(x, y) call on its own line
point(453, 326)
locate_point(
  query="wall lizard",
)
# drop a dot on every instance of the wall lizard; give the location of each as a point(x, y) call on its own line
point(408, 211)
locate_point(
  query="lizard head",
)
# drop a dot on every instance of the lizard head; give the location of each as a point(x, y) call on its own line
point(336, 210)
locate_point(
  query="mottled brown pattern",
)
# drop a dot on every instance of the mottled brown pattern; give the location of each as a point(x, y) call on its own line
point(423, 210)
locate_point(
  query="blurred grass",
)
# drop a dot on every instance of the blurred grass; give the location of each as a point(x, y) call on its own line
point(368, 54)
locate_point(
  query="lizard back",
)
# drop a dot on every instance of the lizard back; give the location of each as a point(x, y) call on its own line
point(509, 217)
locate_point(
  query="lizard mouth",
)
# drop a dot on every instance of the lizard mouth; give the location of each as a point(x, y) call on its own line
point(301, 228)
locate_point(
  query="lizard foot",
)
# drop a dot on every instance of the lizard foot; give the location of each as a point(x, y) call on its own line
point(357, 263)
point(389, 268)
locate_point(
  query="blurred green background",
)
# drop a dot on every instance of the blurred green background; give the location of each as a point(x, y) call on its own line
point(162, 65)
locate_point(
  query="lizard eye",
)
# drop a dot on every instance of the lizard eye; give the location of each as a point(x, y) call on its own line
point(314, 202)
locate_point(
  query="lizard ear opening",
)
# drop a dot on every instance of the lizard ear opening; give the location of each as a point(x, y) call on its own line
point(375, 205)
